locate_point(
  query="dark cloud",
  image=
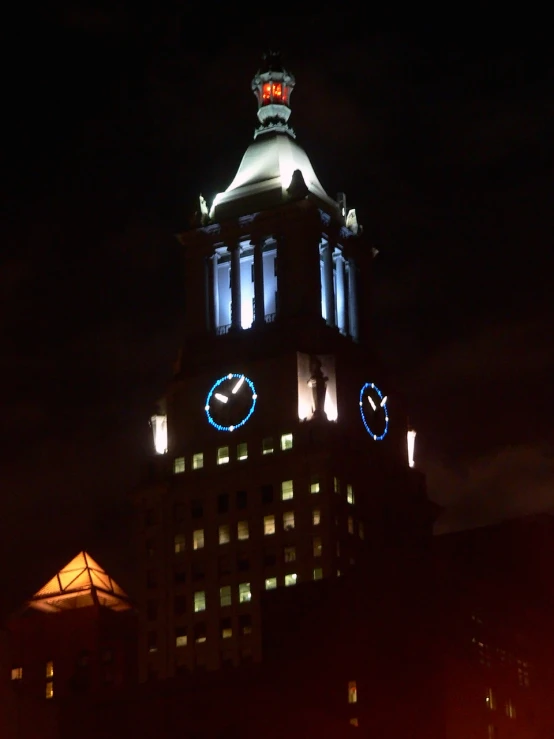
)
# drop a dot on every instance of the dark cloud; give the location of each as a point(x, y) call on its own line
point(513, 481)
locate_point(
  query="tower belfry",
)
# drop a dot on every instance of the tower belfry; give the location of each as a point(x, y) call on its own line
point(275, 248)
point(278, 414)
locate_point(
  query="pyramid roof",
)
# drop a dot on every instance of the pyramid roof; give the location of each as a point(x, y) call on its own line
point(80, 583)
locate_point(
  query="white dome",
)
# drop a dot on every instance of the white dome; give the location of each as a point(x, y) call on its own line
point(264, 176)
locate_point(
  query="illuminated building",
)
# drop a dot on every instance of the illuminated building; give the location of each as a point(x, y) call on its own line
point(283, 442)
point(290, 582)
point(75, 636)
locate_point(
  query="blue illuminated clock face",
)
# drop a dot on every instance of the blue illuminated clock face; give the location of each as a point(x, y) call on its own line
point(374, 411)
point(230, 402)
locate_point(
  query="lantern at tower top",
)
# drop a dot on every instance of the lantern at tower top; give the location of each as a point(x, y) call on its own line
point(273, 85)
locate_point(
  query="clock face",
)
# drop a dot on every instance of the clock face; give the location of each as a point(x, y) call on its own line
point(374, 412)
point(230, 402)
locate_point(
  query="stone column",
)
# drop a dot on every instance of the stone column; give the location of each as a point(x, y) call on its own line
point(259, 297)
point(235, 287)
point(341, 294)
point(215, 291)
point(328, 284)
point(208, 297)
point(353, 299)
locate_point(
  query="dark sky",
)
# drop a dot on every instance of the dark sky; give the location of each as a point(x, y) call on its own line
point(118, 117)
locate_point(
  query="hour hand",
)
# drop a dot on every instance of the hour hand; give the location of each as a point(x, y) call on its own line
point(222, 398)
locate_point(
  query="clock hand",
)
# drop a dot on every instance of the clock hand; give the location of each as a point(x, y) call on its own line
point(383, 401)
point(222, 398)
point(238, 385)
point(372, 404)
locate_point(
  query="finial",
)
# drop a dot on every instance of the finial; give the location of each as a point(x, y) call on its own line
point(272, 85)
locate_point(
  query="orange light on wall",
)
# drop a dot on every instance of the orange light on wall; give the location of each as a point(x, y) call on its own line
point(274, 92)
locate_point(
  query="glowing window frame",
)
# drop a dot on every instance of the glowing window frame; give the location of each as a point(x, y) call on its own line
point(219, 382)
point(384, 407)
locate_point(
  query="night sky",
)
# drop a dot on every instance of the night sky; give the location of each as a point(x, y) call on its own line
point(117, 121)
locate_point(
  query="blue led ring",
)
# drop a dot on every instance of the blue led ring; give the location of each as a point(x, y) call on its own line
point(226, 378)
point(372, 386)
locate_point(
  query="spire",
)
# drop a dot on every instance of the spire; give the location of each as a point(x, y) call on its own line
point(272, 85)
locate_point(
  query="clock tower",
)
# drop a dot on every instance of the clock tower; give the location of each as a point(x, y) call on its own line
point(281, 453)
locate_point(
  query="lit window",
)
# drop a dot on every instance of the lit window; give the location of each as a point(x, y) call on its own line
point(352, 692)
point(287, 491)
point(314, 485)
point(49, 689)
point(269, 525)
point(288, 520)
point(350, 525)
point(245, 624)
point(510, 709)
point(350, 494)
point(50, 668)
point(336, 485)
point(242, 451)
point(491, 700)
point(267, 446)
point(178, 465)
point(353, 722)
point(317, 546)
point(286, 441)
point(318, 573)
point(17, 673)
point(179, 543)
point(270, 583)
point(245, 596)
point(291, 579)
point(200, 633)
point(242, 530)
point(290, 554)
point(198, 461)
point(198, 539)
point(199, 601)
point(523, 673)
point(316, 517)
point(226, 628)
point(225, 596)
point(223, 455)
point(224, 534)
point(492, 733)
point(181, 636)
point(361, 532)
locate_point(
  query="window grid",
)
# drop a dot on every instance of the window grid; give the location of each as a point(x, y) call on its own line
point(223, 455)
point(243, 532)
point(286, 442)
point(269, 525)
point(287, 490)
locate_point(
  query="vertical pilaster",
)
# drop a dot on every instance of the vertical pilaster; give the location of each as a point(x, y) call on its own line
point(259, 297)
point(215, 291)
point(353, 299)
point(235, 287)
point(208, 297)
point(328, 284)
point(341, 293)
